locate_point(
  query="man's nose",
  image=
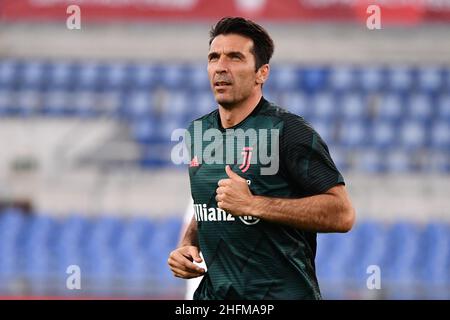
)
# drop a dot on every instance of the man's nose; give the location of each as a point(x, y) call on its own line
point(221, 66)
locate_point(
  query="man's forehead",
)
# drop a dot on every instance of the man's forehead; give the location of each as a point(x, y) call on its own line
point(231, 43)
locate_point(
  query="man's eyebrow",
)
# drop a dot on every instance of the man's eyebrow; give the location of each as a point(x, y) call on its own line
point(235, 54)
point(213, 55)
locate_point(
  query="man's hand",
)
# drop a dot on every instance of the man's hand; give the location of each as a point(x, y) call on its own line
point(234, 195)
point(181, 262)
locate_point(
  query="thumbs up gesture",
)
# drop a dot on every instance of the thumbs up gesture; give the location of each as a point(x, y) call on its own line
point(233, 194)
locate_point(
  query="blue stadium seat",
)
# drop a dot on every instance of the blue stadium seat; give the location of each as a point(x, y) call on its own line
point(354, 134)
point(391, 107)
point(372, 79)
point(87, 75)
point(197, 77)
point(28, 102)
point(144, 76)
point(173, 76)
point(138, 235)
point(9, 73)
point(11, 219)
point(440, 135)
point(135, 236)
point(98, 252)
point(39, 232)
point(323, 106)
point(61, 75)
point(108, 102)
point(107, 227)
point(7, 102)
point(137, 105)
point(430, 79)
point(12, 222)
point(333, 255)
point(403, 238)
point(166, 233)
point(36, 263)
point(353, 107)
point(438, 162)
point(412, 135)
point(435, 254)
point(314, 78)
point(400, 78)
point(369, 161)
point(419, 107)
point(177, 104)
point(157, 155)
point(443, 107)
point(116, 76)
point(72, 230)
point(370, 248)
point(33, 75)
point(283, 77)
point(383, 134)
point(84, 103)
point(58, 103)
point(399, 161)
point(62, 260)
point(68, 244)
point(129, 241)
point(100, 267)
point(8, 265)
point(167, 126)
point(35, 255)
point(202, 103)
point(136, 268)
point(343, 78)
point(296, 102)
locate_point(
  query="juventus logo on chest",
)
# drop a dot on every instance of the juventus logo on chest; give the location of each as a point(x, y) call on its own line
point(247, 156)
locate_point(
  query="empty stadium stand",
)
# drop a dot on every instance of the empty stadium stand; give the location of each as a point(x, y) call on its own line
point(401, 109)
point(126, 257)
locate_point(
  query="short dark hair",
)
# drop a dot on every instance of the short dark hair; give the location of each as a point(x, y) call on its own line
point(263, 46)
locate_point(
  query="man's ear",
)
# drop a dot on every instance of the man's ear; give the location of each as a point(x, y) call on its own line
point(262, 74)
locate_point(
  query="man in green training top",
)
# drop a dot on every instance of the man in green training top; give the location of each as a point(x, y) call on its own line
point(256, 215)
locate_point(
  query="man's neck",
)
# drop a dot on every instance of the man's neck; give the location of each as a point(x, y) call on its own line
point(233, 116)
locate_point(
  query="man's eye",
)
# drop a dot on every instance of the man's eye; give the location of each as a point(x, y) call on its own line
point(236, 58)
point(212, 58)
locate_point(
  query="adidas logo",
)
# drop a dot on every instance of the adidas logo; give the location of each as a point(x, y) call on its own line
point(194, 162)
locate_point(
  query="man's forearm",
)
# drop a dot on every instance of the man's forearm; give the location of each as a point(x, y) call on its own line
point(328, 212)
point(190, 237)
